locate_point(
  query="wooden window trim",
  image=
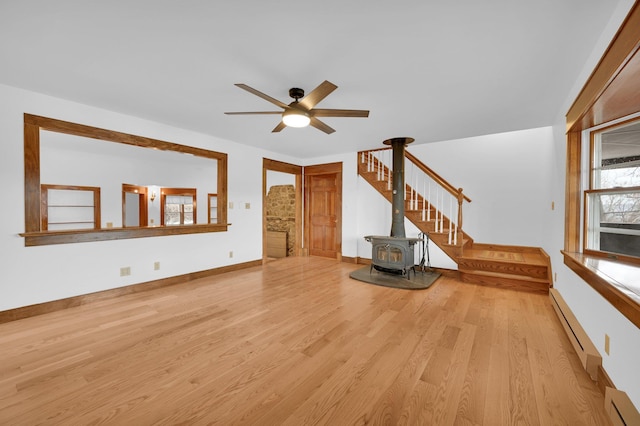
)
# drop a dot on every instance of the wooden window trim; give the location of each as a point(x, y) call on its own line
point(45, 202)
point(209, 207)
point(612, 92)
point(178, 191)
point(35, 236)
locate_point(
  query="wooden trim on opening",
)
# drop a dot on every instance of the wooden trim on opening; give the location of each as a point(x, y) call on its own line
point(76, 129)
point(31, 177)
point(58, 305)
point(624, 45)
point(35, 236)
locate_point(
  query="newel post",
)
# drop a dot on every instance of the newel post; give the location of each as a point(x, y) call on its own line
point(460, 200)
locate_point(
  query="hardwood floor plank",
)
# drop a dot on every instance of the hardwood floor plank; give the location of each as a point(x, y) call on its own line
point(297, 342)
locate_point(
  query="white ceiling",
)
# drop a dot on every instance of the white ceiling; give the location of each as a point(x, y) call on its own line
point(431, 70)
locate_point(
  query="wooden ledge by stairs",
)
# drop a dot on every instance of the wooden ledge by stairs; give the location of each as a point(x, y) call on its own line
point(511, 267)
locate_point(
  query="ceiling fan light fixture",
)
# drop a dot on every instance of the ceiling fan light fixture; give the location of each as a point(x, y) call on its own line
point(294, 118)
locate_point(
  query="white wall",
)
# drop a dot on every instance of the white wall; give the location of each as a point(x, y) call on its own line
point(506, 176)
point(32, 275)
point(279, 178)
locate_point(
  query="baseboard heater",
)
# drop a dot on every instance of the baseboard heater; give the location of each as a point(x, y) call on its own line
point(584, 347)
point(621, 410)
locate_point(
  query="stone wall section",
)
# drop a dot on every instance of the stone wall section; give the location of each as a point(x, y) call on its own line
point(281, 213)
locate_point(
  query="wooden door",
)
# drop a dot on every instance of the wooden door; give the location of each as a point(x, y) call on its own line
point(323, 198)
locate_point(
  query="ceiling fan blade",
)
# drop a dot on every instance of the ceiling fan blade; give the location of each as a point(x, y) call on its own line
point(321, 126)
point(253, 112)
point(262, 95)
point(279, 127)
point(339, 113)
point(317, 94)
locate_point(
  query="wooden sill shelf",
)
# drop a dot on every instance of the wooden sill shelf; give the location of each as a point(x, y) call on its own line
point(105, 234)
point(616, 281)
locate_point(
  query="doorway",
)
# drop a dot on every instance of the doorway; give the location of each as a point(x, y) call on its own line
point(134, 205)
point(281, 221)
point(323, 210)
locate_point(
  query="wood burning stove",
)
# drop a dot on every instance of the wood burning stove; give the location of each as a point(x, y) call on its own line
point(395, 253)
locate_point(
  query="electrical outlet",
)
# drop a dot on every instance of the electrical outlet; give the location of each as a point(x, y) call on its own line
point(156, 266)
point(151, 221)
point(109, 224)
point(230, 204)
point(247, 206)
point(553, 205)
point(231, 254)
point(607, 342)
point(555, 277)
point(125, 270)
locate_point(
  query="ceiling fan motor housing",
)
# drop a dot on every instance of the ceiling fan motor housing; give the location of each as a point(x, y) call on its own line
point(296, 93)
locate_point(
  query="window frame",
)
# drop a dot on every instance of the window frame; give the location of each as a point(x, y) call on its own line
point(594, 188)
point(191, 192)
point(35, 236)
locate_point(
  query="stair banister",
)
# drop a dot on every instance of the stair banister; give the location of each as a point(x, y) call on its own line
point(436, 177)
point(378, 161)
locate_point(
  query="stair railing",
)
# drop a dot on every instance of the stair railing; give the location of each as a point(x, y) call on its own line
point(425, 191)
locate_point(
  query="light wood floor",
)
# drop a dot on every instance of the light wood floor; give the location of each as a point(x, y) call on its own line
point(297, 342)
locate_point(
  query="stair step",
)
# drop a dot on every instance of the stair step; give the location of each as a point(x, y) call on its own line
point(525, 269)
point(506, 281)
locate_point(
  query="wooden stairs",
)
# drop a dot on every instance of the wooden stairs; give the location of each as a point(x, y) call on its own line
point(512, 267)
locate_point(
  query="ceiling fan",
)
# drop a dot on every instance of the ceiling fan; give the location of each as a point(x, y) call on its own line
point(301, 111)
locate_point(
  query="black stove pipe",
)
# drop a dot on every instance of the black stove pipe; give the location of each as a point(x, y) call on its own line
point(397, 204)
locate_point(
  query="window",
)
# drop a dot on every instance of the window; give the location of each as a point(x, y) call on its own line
point(66, 207)
point(612, 204)
point(178, 206)
point(213, 208)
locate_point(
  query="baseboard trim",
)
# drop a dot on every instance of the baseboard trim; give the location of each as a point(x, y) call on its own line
point(584, 347)
point(620, 408)
point(604, 381)
point(57, 305)
point(347, 259)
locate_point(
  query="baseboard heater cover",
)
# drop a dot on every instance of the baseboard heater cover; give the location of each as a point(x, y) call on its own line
point(584, 347)
point(620, 409)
